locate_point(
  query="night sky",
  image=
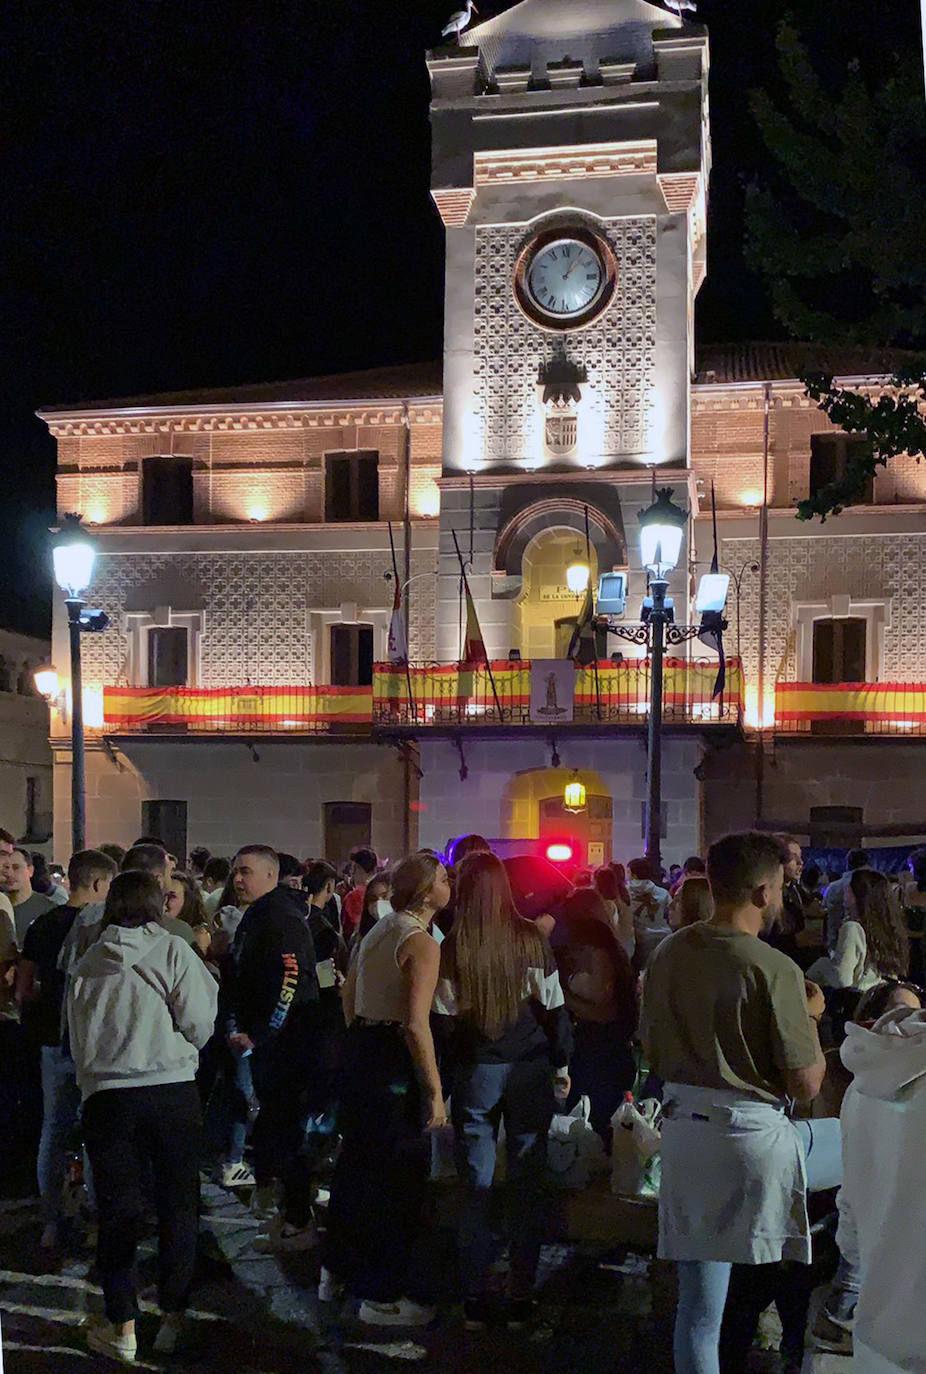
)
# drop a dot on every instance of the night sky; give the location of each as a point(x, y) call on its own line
point(200, 194)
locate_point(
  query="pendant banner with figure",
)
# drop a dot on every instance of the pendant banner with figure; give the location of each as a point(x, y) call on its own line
point(553, 689)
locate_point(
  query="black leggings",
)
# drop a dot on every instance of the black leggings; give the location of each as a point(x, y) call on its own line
point(134, 1135)
point(378, 1188)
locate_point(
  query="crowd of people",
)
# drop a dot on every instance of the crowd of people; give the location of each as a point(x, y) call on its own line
point(305, 1032)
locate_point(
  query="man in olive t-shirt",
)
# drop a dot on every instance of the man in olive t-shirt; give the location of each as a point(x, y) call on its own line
point(730, 1027)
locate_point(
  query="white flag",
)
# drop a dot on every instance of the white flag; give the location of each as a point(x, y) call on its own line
point(398, 642)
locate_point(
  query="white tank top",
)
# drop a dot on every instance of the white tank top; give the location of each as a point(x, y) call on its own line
point(380, 993)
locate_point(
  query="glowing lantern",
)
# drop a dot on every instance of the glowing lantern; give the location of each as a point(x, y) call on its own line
point(661, 527)
point(577, 575)
point(574, 796)
point(46, 681)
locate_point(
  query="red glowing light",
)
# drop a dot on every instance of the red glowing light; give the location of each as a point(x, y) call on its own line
point(559, 853)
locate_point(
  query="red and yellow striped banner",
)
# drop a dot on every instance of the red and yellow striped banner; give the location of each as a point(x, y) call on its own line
point(198, 708)
point(869, 701)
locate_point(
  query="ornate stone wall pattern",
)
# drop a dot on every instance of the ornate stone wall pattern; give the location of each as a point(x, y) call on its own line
point(255, 607)
point(617, 349)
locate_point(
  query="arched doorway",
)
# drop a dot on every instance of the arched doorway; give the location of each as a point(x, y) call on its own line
point(533, 808)
point(547, 608)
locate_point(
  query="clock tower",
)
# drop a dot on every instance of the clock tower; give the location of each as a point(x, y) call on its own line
point(571, 155)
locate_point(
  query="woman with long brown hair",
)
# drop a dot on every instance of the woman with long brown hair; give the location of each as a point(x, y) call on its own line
point(390, 1096)
point(873, 942)
point(511, 1041)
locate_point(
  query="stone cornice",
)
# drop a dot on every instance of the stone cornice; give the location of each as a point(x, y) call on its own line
point(637, 476)
point(580, 160)
point(237, 420)
point(707, 397)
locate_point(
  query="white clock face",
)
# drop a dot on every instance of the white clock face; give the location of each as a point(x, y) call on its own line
point(566, 278)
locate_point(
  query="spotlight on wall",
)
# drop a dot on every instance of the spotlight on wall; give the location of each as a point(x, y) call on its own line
point(257, 514)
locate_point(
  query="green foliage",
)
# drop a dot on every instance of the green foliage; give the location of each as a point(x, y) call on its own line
point(894, 423)
point(840, 238)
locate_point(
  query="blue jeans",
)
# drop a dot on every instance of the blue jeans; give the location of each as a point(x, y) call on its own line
point(522, 1095)
point(241, 1095)
point(60, 1112)
point(703, 1284)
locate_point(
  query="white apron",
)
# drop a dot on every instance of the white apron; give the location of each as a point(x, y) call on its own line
point(734, 1186)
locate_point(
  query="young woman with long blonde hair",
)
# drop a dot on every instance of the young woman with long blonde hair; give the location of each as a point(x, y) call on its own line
point(390, 1096)
point(510, 1035)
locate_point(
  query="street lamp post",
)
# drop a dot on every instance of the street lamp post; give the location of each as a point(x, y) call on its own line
point(661, 528)
point(74, 554)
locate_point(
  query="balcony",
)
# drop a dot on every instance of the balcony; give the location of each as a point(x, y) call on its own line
point(237, 710)
point(427, 697)
point(850, 708)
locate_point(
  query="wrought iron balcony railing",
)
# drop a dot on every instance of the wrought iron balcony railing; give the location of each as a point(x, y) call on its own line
point(618, 693)
point(425, 696)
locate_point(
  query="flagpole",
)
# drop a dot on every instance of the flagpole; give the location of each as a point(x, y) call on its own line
point(588, 559)
point(465, 580)
point(408, 670)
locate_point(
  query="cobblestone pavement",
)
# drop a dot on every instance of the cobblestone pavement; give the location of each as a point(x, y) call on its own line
point(257, 1314)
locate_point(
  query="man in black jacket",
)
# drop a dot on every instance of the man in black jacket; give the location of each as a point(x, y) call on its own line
point(271, 997)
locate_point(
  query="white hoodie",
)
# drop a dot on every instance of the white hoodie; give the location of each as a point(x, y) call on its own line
point(884, 1185)
point(141, 1004)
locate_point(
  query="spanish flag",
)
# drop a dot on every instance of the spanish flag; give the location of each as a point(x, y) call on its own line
point(474, 649)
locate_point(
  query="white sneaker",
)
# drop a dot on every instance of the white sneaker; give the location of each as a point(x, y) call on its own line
point(238, 1175)
point(170, 1337)
point(283, 1238)
point(329, 1288)
point(322, 1197)
point(404, 1312)
point(101, 1337)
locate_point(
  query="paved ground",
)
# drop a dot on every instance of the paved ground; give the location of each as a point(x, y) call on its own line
point(259, 1315)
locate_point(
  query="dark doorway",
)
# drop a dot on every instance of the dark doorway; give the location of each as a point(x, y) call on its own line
point(168, 656)
point(351, 655)
point(347, 826)
point(166, 821)
point(838, 656)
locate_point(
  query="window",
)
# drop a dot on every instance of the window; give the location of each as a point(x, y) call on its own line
point(351, 655)
point(352, 486)
point(828, 458)
point(167, 491)
point(166, 821)
point(347, 826)
point(839, 650)
point(839, 656)
point(168, 656)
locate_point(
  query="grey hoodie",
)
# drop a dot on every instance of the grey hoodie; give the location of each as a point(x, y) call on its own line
point(884, 1184)
point(141, 1004)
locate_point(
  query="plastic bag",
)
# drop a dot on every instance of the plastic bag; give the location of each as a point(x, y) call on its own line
point(635, 1147)
point(575, 1154)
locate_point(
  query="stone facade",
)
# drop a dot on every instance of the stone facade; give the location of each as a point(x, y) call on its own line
point(25, 756)
point(591, 116)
